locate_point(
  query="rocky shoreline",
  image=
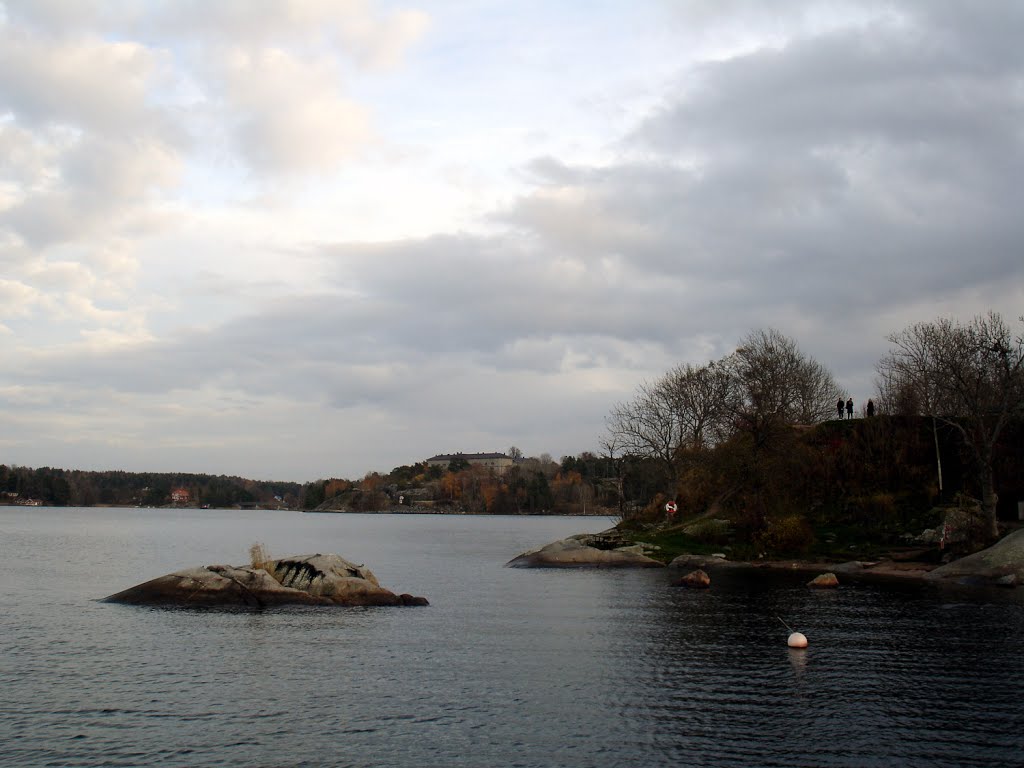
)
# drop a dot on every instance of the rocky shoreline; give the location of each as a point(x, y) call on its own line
point(1002, 564)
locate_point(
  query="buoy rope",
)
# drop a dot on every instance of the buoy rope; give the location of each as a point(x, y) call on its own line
point(785, 624)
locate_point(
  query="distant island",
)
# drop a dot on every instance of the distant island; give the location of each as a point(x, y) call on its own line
point(460, 483)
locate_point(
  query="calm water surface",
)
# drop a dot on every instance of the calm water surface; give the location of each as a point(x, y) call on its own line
point(506, 667)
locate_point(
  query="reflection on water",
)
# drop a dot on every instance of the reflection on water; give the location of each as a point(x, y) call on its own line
point(507, 667)
point(798, 660)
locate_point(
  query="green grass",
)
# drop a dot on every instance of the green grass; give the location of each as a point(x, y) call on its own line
point(831, 542)
point(673, 543)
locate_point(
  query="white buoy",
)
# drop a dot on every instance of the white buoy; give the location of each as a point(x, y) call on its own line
point(797, 640)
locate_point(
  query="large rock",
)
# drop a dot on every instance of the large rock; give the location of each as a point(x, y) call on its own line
point(574, 552)
point(303, 580)
point(1003, 559)
point(717, 560)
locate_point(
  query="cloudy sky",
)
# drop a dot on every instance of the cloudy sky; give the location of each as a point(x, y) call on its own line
point(292, 239)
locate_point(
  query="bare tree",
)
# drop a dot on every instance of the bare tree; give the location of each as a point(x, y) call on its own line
point(698, 397)
point(648, 426)
point(775, 385)
point(765, 385)
point(896, 395)
point(908, 382)
point(684, 410)
point(610, 444)
point(970, 377)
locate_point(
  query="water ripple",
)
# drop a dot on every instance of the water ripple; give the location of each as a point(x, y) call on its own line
point(505, 668)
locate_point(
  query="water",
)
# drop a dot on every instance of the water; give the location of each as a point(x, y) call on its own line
point(507, 667)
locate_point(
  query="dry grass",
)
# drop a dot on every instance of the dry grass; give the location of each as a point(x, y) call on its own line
point(259, 557)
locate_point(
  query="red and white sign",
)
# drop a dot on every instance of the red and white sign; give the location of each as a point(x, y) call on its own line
point(671, 508)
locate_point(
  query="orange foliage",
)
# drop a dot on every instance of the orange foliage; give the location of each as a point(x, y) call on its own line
point(371, 482)
point(451, 487)
point(334, 487)
point(490, 489)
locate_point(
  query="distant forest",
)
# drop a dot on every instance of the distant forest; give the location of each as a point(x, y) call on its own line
point(587, 484)
point(584, 484)
point(77, 488)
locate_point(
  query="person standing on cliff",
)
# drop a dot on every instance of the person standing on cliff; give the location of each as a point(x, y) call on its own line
point(839, 408)
point(871, 408)
point(849, 408)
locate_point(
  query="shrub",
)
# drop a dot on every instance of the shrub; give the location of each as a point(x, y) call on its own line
point(966, 524)
point(878, 512)
point(789, 535)
point(709, 531)
point(881, 506)
point(654, 511)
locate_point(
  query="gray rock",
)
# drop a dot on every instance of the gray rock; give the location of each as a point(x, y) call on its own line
point(706, 561)
point(573, 553)
point(303, 580)
point(1003, 559)
point(633, 549)
point(929, 536)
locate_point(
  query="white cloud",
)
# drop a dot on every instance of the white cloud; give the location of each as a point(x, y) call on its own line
point(370, 38)
point(97, 185)
point(290, 113)
point(91, 84)
point(16, 298)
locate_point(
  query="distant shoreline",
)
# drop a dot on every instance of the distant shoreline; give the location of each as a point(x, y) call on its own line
point(410, 511)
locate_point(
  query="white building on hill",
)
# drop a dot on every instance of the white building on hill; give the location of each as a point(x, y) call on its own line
point(498, 463)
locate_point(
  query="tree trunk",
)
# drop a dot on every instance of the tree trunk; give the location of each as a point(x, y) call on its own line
point(989, 498)
point(938, 455)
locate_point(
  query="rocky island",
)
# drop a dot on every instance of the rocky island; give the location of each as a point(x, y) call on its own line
point(320, 579)
point(588, 550)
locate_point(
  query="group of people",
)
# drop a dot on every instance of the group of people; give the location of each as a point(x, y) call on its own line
point(848, 408)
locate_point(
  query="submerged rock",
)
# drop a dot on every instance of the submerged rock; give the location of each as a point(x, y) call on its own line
point(697, 579)
point(303, 580)
point(824, 581)
point(574, 552)
point(994, 565)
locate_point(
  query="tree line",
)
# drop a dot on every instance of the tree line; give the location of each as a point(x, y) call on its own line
point(79, 488)
point(531, 486)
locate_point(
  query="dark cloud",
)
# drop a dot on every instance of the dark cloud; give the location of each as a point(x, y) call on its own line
point(840, 172)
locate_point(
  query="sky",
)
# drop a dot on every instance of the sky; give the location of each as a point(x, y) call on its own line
point(299, 239)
